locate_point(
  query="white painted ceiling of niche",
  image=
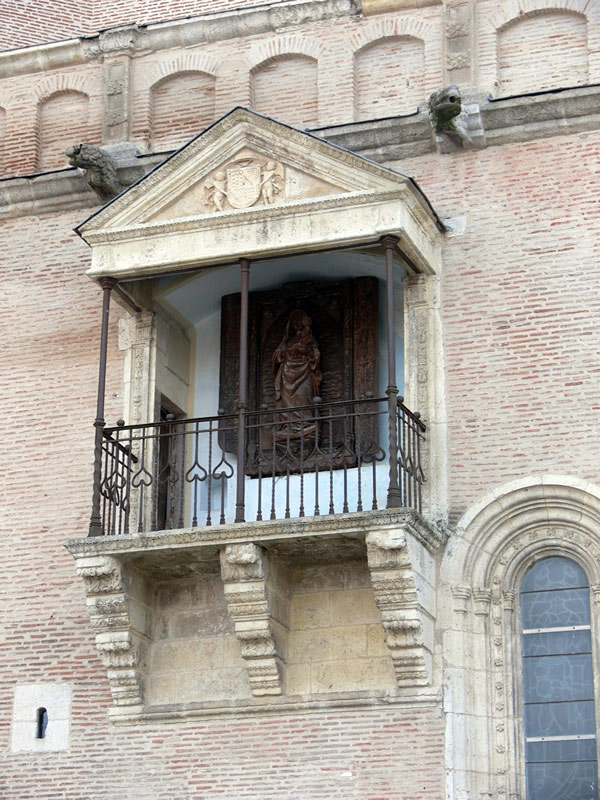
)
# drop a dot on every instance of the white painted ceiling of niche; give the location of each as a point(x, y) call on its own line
point(199, 296)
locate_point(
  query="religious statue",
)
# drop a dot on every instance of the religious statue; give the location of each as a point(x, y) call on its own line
point(297, 374)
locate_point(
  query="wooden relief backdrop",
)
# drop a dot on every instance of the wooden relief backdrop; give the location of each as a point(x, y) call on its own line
point(344, 318)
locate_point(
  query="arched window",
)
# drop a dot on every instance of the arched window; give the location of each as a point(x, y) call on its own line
point(558, 682)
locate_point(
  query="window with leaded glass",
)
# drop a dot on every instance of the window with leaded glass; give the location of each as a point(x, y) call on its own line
point(558, 683)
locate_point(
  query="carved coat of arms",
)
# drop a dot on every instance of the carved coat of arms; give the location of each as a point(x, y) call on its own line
point(244, 183)
point(243, 186)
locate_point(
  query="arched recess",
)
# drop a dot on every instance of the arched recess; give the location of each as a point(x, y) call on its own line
point(495, 543)
point(285, 87)
point(181, 106)
point(544, 50)
point(62, 120)
point(399, 63)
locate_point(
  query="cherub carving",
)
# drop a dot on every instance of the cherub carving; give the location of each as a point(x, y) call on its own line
point(215, 191)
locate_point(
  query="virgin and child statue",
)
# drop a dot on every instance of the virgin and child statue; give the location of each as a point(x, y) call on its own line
point(297, 375)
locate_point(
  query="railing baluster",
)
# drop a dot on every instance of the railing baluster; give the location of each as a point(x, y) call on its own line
point(349, 430)
point(345, 464)
point(209, 477)
point(359, 505)
point(330, 423)
point(274, 464)
point(301, 509)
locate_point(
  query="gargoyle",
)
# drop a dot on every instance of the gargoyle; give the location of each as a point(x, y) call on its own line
point(100, 169)
point(448, 116)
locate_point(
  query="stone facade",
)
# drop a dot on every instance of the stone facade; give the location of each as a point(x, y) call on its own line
point(359, 655)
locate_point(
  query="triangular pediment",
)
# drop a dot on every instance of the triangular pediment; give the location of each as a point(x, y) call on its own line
point(243, 169)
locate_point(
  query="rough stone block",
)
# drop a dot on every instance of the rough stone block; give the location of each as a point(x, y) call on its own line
point(310, 610)
point(353, 606)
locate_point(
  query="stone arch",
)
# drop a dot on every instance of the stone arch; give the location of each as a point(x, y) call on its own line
point(282, 46)
point(286, 72)
point(62, 120)
point(181, 105)
point(399, 62)
point(496, 541)
point(570, 58)
point(64, 82)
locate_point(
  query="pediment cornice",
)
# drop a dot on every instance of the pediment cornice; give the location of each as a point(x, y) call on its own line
point(250, 186)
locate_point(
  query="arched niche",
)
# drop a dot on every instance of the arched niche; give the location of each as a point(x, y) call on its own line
point(286, 87)
point(399, 63)
point(63, 119)
point(181, 106)
point(543, 50)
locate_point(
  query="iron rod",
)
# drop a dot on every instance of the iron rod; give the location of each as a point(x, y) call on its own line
point(394, 500)
point(99, 423)
point(243, 395)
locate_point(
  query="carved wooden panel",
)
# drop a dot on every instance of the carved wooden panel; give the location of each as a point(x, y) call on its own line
point(344, 323)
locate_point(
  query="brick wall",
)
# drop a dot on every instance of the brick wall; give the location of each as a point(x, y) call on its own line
point(286, 87)
point(58, 118)
point(46, 113)
point(521, 295)
point(389, 78)
point(542, 52)
point(180, 107)
point(29, 22)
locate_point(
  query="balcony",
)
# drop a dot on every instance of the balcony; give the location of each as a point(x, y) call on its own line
point(227, 551)
point(331, 458)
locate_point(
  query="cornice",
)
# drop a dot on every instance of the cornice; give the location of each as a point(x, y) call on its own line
point(355, 524)
point(418, 700)
point(133, 39)
point(505, 120)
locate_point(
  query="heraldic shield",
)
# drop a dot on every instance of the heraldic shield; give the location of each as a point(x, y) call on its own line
point(243, 186)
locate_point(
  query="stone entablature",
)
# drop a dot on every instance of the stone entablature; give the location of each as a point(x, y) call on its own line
point(119, 574)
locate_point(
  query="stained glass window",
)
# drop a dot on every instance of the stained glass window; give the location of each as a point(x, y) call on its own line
point(558, 683)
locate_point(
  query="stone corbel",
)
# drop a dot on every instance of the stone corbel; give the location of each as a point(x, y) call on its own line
point(402, 569)
point(120, 638)
point(244, 569)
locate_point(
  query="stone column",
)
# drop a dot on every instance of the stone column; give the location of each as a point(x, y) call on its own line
point(245, 573)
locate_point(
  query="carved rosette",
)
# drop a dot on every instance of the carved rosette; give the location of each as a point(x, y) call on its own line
point(244, 572)
point(123, 649)
point(395, 561)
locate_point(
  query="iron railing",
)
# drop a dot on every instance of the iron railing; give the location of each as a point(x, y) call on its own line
point(325, 458)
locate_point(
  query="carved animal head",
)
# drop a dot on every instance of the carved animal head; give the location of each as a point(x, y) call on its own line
point(85, 156)
point(444, 106)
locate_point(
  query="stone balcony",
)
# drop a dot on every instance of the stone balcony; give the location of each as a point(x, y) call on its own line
point(264, 615)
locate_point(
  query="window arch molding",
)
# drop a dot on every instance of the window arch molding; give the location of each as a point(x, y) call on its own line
point(496, 542)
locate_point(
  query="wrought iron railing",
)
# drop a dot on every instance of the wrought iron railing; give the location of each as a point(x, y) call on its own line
point(325, 458)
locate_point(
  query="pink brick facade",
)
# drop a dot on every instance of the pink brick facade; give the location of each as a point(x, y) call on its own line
point(519, 305)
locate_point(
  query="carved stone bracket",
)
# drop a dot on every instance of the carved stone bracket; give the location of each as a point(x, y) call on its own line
point(403, 574)
point(245, 569)
point(120, 625)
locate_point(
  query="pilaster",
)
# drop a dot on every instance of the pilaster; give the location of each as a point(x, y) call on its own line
point(116, 118)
